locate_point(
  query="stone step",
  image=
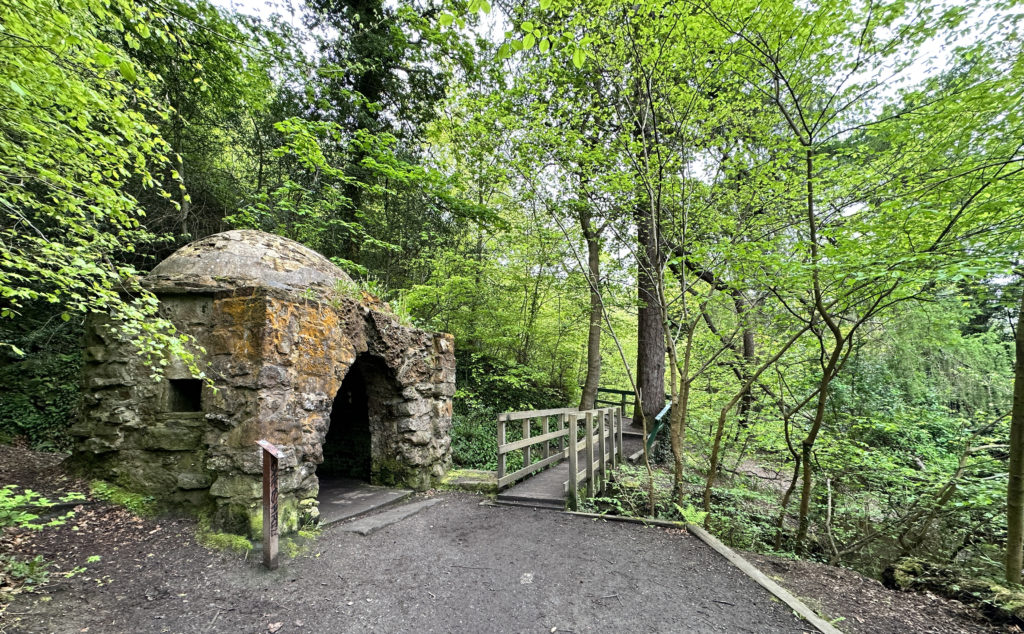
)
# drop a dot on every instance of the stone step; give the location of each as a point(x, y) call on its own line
point(372, 523)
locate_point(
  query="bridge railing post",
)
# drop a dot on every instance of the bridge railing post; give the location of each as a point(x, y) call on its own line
point(622, 454)
point(545, 428)
point(526, 434)
point(602, 447)
point(561, 426)
point(589, 430)
point(613, 434)
point(501, 441)
point(574, 467)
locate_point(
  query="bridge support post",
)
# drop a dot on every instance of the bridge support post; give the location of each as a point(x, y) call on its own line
point(589, 430)
point(602, 447)
point(574, 467)
point(501, 441)
point(620, 416)
point(614, 435)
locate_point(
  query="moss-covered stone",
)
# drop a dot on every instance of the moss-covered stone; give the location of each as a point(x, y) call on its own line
point(277, 342)
point(474, 480)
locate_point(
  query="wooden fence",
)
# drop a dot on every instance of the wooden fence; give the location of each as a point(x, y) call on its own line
point(602, 431)
point(625, 399)
point(527, 442)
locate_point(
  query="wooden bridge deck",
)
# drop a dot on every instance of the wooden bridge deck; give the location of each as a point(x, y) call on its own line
point(546, 489)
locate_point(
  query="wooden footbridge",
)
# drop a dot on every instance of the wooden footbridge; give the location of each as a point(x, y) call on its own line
point(546, 456)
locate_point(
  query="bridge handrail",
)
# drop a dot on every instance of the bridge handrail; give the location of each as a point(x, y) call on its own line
point(608, 439)
point(659, 422)
point(561, 434)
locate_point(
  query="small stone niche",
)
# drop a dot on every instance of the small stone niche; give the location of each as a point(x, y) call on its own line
point(184, 395)
point(339, 385)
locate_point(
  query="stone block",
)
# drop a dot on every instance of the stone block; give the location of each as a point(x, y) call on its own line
point(273, 376)
point(189, 480)
point(237, 487)
point(414, 407)
point(419, 438)
point(413, 424)
point(170, 437)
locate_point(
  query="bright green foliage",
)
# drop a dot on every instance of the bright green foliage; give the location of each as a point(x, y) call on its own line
point(837, 220)
point(78, 138)
point(25, 509)
point(223, 541)
point(142, 505)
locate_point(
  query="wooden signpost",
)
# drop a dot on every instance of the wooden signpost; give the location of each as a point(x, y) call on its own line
point(271, 455)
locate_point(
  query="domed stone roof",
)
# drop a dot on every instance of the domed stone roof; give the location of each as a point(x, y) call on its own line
point(245, 258)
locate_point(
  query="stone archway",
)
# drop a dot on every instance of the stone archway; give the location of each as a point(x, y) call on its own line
point(279, 336)
point(354, 442)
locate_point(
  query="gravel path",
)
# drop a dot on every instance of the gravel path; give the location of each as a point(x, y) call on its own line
point(457, 566)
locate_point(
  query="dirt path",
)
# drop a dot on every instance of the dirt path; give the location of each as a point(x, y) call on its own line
point(456, 566)
point(868, 607)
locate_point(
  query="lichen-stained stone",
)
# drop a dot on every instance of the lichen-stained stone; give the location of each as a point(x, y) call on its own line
point(278, 337)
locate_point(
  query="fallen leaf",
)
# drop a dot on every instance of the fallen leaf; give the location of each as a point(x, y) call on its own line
point(273, 627)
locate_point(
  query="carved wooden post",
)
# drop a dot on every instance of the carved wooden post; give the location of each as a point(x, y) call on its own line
point(271, 455)
point(574, 468)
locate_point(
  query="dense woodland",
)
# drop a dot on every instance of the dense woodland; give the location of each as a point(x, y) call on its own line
point(803, 224)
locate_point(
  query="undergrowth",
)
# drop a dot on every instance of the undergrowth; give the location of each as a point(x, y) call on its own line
point(28, 510)
point(215, 540)
point(142, 505)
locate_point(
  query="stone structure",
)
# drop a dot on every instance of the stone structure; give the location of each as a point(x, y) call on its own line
point(293, 358)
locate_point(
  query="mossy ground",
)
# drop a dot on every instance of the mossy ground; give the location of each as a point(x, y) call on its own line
point(142, 505)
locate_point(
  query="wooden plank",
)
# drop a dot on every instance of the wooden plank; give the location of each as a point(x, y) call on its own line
point(533, 440)
point(525, 471)
point(589, 431)
point(751, 571)
point(573, 466)
point(510, 416)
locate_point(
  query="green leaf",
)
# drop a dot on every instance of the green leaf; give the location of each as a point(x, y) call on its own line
point(544, 4)
point(446, 19)
point(578, 58)
point(544, 45)
point(529, 41)
point(127, 71)
point(527, 27)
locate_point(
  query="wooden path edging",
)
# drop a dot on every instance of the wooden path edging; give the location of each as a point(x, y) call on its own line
point(735, 559)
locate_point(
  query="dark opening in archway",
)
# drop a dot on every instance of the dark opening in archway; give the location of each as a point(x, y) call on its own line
point(347, 446)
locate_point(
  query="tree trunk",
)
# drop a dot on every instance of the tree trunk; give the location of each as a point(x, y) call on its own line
point(650, 355)
point(593, 380)
point(1015, 488)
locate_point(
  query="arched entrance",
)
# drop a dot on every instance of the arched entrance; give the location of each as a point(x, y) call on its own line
point(357, 421)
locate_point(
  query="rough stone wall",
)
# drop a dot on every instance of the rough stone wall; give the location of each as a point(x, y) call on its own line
point(277, 362)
